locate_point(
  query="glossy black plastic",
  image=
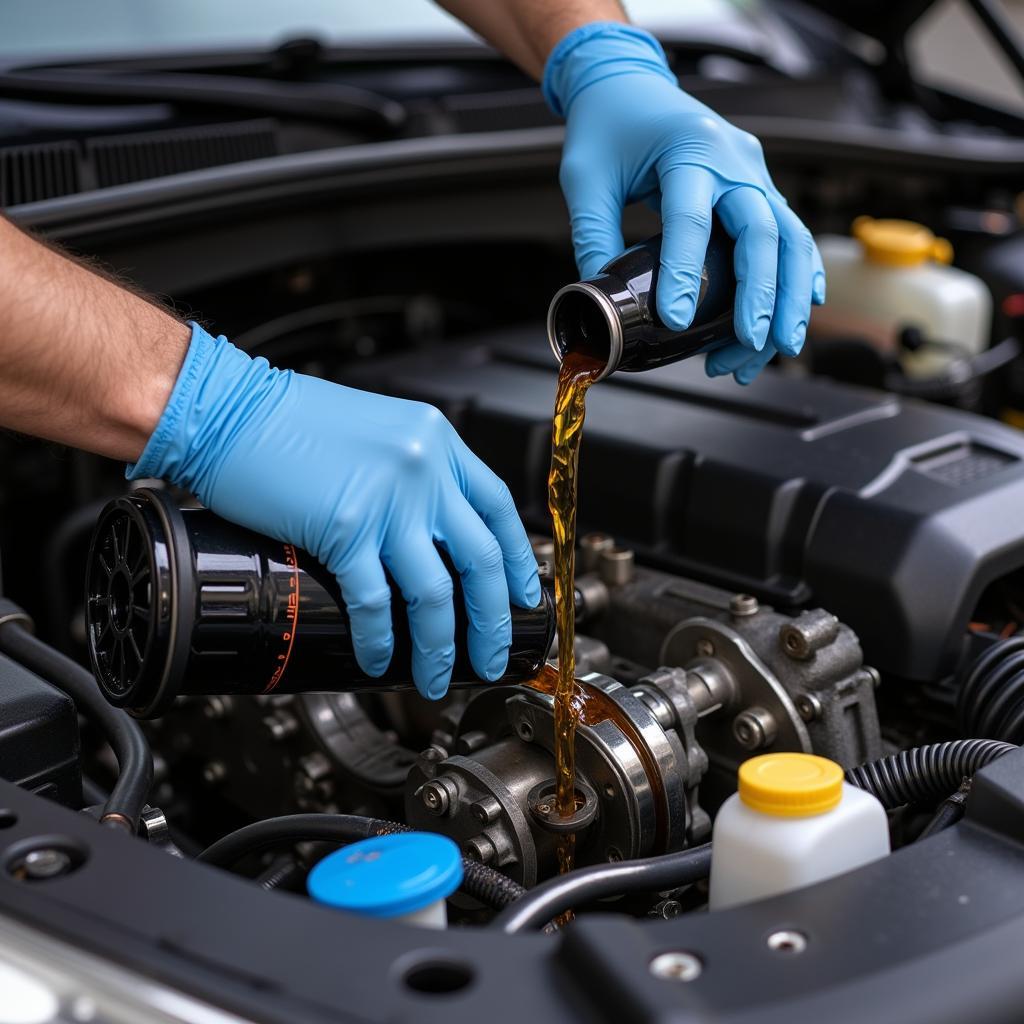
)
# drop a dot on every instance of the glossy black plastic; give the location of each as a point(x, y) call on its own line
point(614, 316)
point(182, 602)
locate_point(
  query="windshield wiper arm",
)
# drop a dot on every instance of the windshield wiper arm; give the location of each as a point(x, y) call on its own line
point(335, 103)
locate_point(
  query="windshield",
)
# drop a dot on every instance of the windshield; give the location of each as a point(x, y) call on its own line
point(66, 28)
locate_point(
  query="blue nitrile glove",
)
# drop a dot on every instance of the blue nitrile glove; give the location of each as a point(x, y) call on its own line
point(361, 481)
point(633, 135)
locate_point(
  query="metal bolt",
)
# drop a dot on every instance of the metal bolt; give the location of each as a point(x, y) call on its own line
point(214, 772)
point(486, 810)
point(787, 940)
point(616, 566)
point(436, 796)
point(810, 707)
point(807, 633)
point(613, 854)
point(46, 862)
point(743, 604)
point(591, 546)
point(678, 966)
point(705, 648)
point(873, 675)
point(480, 848)
point(524, 730)
point(754, 728)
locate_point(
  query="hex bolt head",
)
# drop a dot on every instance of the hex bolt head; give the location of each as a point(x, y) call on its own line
point(437, 796)
point(485, 810)
point(742, 605)
point(46, 862)
point(678, 966)
point(480, 848)
point(809, 706)
point(754, 728)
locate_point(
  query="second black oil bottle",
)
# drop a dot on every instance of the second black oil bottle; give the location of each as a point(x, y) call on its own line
point(614, 318)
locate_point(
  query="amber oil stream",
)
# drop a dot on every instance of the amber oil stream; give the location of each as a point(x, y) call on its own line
point(575, 376)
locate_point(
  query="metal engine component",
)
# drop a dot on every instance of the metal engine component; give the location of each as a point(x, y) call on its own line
point(738, 679)
point(802, 683)
point(638, 766)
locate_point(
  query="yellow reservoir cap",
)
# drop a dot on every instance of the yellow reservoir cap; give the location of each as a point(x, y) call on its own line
point(790, 785)
point(900, 243)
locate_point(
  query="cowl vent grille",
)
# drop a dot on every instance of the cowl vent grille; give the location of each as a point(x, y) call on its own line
point(118, 160)
point(31, 173)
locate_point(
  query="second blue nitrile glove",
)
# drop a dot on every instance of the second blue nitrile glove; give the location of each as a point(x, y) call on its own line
point(633, 135)
point(361, 481)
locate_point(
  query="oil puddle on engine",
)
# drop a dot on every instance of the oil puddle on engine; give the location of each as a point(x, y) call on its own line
point(577, 373)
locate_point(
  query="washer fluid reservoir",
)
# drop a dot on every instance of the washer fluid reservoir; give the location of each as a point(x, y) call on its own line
point(794, 821)
point(895, 274)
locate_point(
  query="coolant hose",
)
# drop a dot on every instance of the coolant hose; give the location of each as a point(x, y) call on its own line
point(554, 897)
point(485, 884)
point(134, 761)
point(925, 775)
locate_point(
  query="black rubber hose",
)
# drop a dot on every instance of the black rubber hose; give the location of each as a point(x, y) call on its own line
point(925, 775)
point(134, 761)
point(554, 897)
point(485, 884)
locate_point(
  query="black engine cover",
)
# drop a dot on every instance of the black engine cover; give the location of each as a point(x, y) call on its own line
point(38, 736)
point(892, 514)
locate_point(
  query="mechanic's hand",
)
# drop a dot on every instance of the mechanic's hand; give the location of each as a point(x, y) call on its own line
point(361, 481)
point(632, 134)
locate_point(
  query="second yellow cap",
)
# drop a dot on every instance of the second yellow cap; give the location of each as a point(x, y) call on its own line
point(790, 785)
point(900, 243)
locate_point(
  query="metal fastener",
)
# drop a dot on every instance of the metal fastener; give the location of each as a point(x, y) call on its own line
point(437, 796)
point(46, 862)
point(485, 810)
point(616, 566)
point(591, 547)
point(754, 728)
point(742, 605)
point(705, 648)
point(787, 940)
point(678, 966)
point(480, 848)
point(810, 707)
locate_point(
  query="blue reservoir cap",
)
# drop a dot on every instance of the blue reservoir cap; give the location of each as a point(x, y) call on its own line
point(388, 876)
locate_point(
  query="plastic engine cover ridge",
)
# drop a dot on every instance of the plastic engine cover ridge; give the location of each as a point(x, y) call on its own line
point(892, 514)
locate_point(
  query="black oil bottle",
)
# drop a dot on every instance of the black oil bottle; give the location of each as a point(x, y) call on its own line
point(613, 316)
point(182, 602)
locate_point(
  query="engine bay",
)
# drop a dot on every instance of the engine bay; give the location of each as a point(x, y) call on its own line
point(829, 561)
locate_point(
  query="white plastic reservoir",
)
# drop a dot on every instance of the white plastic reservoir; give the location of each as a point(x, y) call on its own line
point(794, 821)
point(894, 274)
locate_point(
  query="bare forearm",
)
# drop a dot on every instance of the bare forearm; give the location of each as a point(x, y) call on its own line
point(527, 30)
point(82, 360)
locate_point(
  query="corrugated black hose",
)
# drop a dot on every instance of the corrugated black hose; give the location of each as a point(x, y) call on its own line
point(925, 775)
point(128, 796)
point(490, 887)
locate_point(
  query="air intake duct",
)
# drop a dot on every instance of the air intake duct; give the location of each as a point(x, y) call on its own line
point(180, 602)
